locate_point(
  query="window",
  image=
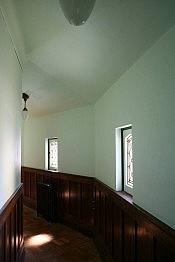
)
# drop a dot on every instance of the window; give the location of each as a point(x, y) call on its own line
point(51, 154)
point(127, 159)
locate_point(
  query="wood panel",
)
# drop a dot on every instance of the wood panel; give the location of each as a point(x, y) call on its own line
point(26, 182)
point(2, 243)
point(162, 252)
point(63, 195)
point(129, 239)
point(74, 199)
point(117, 238)
point(122, 231)
point(33, 186)
point(8, 239)
point(109, 224)
point(11, 229)
point(97, 210)
point(144, 244)
point(13, 234)
point(87, 203)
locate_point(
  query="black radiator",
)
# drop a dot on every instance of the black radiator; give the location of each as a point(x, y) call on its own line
point(46, 201)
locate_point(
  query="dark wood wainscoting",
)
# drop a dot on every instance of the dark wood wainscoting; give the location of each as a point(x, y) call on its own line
point(74, 195)
point(128, 232)
point(122, 231)
point(11, 228)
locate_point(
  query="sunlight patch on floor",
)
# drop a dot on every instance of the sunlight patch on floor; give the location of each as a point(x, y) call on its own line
point(38, 240)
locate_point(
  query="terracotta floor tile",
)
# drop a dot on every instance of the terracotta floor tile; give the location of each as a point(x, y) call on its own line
point(64, 245)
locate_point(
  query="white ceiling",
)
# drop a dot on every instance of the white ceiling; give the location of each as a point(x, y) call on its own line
point(67, 66)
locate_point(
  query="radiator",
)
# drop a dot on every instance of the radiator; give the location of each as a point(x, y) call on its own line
point(46, 204)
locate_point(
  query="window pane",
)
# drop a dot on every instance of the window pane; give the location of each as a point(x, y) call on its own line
point(53, 154)
point(129, 160)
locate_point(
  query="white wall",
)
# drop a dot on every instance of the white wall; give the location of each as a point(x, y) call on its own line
point(10, 117)
point(75, 132)
point(144, 97)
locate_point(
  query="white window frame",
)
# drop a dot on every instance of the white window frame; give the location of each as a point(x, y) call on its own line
point(121, 184)
point(47, 154)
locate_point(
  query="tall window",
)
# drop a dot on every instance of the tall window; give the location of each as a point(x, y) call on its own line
point(53, 154)
point(127, 159)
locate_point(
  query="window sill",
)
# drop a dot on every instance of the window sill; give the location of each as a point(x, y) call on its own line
point(125, 196)
point(54, 171)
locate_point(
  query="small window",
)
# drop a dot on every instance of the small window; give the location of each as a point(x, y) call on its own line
point(52, 154)
point(127, 159)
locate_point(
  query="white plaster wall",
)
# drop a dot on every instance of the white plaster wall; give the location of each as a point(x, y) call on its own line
point(75, 132)
point(144, 97)
point(10, 116)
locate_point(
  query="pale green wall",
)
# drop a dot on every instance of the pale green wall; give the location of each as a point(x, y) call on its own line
point(75, 132)
point(10, 116)
point(144, 97)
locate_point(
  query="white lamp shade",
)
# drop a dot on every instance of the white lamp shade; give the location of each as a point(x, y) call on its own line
point(25, 114)
point(77, 11)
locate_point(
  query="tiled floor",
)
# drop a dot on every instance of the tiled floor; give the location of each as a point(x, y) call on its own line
point(50, 242)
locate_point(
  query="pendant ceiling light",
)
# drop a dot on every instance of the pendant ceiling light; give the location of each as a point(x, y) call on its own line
point(25, 112)
point(77, 11)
